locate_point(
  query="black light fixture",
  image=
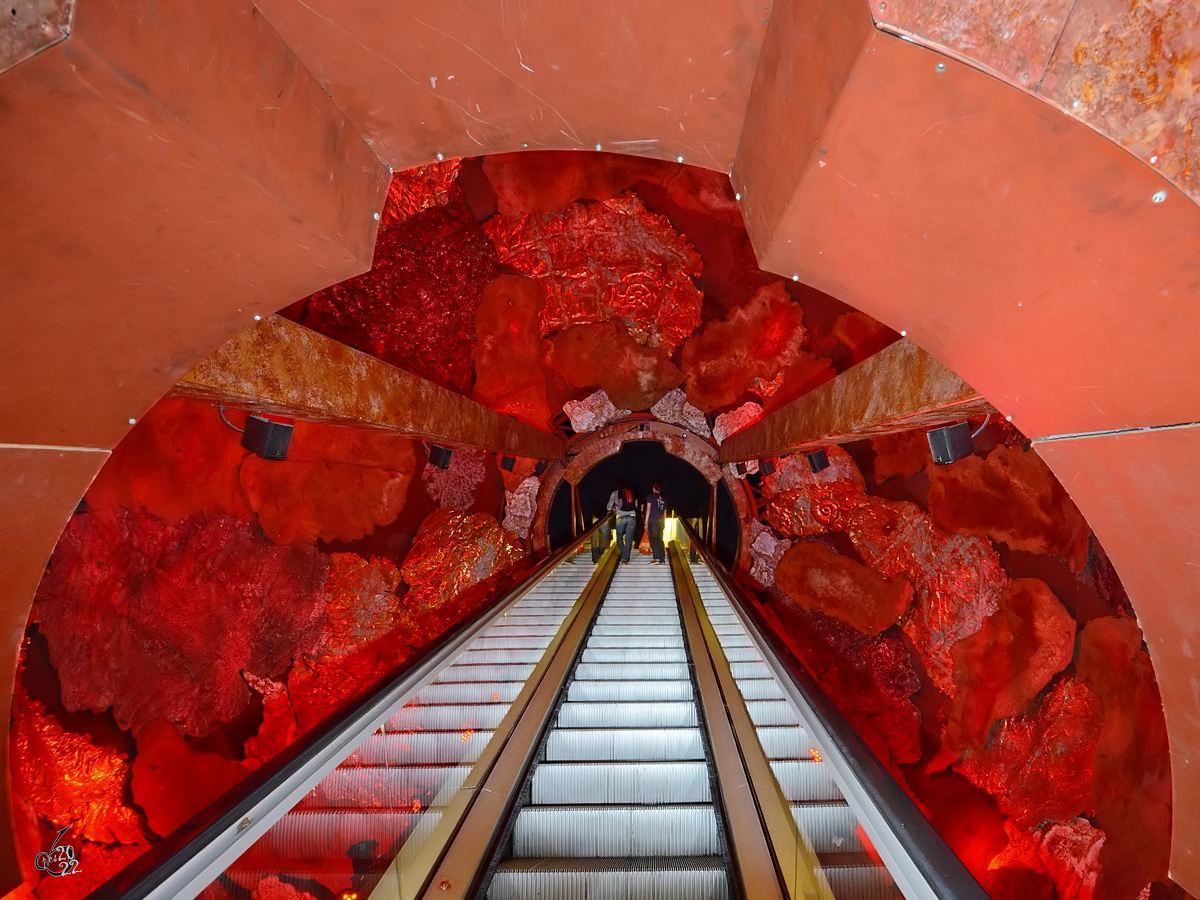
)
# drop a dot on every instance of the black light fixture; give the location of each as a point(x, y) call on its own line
point(818, 460)
point(950, 443)
point(507, 462)
point(267, 438)
point(440, 456)
point(767, 466)
point(540, 468)
point(740, 468)
point(641, 426)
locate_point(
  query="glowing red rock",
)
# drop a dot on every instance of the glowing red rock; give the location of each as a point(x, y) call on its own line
point(271, 888)
point(546, 181)
point(454, 552)
point(1018, 883)
point(606, 260)
point(869, 678)
point(1013, 497)
point(416, 307)
point(172, 781)
point(97, 864)
point(818, 579)
point(1001, 668)
point(69, 780)
point(634, 376)
point(508, 355)
point(278, 728)
point(735, 420)
point(1039, 765)
point(592, 412)
point(904, 453)
point(337, 484)
point(1132, 791)
point(757, 348)
point(179, 460)
point(520, 507)
point(185, 609)
point(1069, 852)
point(454, 487)
point(417, 189)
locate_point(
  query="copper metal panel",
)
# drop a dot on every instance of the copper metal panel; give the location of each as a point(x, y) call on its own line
point(1130, 71)
point(662, 78)
point(39, 489)
point(277, 366)
point(900, 388)
point(27, 27)
point(1013, 38)
point(1140, 496)
point(154, 200)
point(1014, 244)
point(809, 52)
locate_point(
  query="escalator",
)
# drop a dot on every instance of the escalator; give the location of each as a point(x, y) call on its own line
point(605, 732)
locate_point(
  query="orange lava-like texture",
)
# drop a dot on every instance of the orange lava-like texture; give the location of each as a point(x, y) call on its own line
point(634, 376)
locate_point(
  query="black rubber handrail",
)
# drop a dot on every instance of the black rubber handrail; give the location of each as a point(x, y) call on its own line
point(944, 873)
point(144, 875)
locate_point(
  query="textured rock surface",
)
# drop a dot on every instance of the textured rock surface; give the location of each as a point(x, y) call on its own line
point(635, 376)
point(278, 728)
point(70, 781)
point(271, 888)
point(453, 553)
point(172, 781)
point(1068, 852)
point(735, 420)
point(821, 580)
point(904, 453)
point(1001, 668)
point(1010, 496)
point(862, 335)
point(1039, 765)
point(766, 549)
point(674, 409)
point(606, 260)
point(592, 412)
point(417, 189)
point(508, 373)
point(185, 608)
point(454, 487)
point(520, 506)
point(416, 307)
point(756, 349)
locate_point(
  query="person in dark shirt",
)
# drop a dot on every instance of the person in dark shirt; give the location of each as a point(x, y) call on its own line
point(626, 522)
point(656, 519)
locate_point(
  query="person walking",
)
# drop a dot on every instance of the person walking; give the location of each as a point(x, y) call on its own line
point(627, 506)
point(604, 534)
point(656, 520)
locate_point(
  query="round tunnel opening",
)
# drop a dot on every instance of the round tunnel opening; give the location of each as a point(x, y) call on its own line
point(639, 464)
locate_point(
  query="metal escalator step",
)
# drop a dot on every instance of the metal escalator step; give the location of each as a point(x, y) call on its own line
point(760, 689)
point(647, 630)
point(742, 654)
point(312, 835)
point(772, 712)
point(629, 691)
point(516, 629)
point(383, 787)
point(623, 618)
point(470, 692)
point(661, 830)
point(585, 745)
point(855, 876)
point(420, 748)
point(784, 742)
point(514, 672)
point(573, 714)
point(736, 640)
point(622, 783)
point(533, 642)
point(599, 641)
point(806, 780)
point(447, 717)
point(680, 878)
point(829, 827)
point(631, 671)
point(490, 656)
point(634, 655)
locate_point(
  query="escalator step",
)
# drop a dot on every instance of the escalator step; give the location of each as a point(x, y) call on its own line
point(627, 715)
point(624, 783)
point(470, 692)
point(383, 787)
point(420, 748)
point(616, 831)
point(829, 827)
point(584, 745)
point(806, 780)
point(447, 717)
point(632, 672)
point(680, 878)
point(634, 655)
point(629, 691)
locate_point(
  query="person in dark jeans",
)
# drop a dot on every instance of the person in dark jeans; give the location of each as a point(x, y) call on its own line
point(626, 522)
point(656, 519)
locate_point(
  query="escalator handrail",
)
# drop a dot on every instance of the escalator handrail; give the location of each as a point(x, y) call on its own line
point(915, 852)
point(213, 838)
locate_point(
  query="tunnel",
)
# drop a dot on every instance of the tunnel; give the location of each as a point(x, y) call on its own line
point(330, 330)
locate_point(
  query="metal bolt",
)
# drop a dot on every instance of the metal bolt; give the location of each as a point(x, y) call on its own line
point(376, 217)
point(1159, 196)
point(903, 334)
point(133, 421)
point(524, 145)
point(1154, 159)
point(597, 146)
point(940, 67)
point(795, 278)
point(258, 318)
point(440, 157)
point(444, 884)
point(1008, 418)
point(679, 159)
point(737, 196)
point(1025, 77)
point(882, 7)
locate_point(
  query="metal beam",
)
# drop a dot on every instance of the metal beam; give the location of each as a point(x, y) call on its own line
point(282, 368)
point(899, 388)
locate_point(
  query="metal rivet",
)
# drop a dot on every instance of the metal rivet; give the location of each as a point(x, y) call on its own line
point(940, 67)
point(904, 334)
point(524, 145)
point(1008, 418)
point(444, 884)
point(1025, 77)
point(1159, 196)
point(376, 217)
point(598, 147)
point(1076, 104)
point(258, 318)
point(679, 159)
point(133, 421)
point(882, 7)
point(1154, 159)
point(737, 196)
point(795, 278)
point(440, 157)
